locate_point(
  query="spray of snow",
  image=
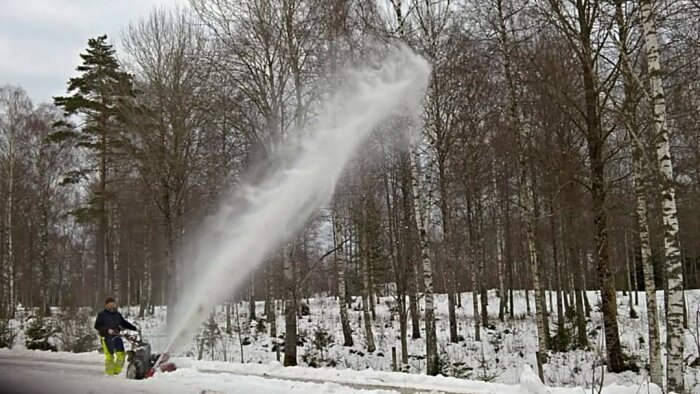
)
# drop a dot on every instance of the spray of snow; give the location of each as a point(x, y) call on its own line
point(530, 383)
point(258, 219)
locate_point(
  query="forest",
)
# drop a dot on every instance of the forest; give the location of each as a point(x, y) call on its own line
point(556, 154)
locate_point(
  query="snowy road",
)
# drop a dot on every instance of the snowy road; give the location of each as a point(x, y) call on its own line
point(26, 373)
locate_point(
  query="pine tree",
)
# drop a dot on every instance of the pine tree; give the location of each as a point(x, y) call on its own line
point(94, 98)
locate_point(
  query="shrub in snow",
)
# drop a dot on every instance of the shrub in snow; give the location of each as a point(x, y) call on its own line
point(316, 354)
point(632, 362)
point(260, 328)
point(456, 369)
point(77, 334)
point(304, 309)
point(496, 341)
point(39, 334)
point(208, 338)
point(562, 341)
point(7, 334)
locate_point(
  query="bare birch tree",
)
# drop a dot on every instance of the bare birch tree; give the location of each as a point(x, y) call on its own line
point(641, 163)
point(15, 109)
point(676, 303)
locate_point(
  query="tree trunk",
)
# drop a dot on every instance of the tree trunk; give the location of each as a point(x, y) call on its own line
point(595, 138)
point(169, 262)
point(576, 260)
point(635, 284)
point(473, 256)
point(586, 303)
point(655, 363)
point(557, 274)
point(411, 203)
point(116, 268)
point(475, 297)
point(9, 258)
point(607, 284)
point(400, 256)
point(44, 273)
point(101, 241)
point(432, 366)
point(672, 253)
point(227, 307)
point(509, 263)
point(409, 227)
point(251, 298)
point(482, 277)
point(366, 313)
point(290, 316)
point(270, 309)
point(630, 298)
point(340, 269)
point(537, 285)
point(503, 298)
point(366, 290)
point(447, 247)
point(413, 306)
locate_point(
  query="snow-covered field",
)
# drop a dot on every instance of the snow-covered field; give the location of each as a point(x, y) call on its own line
point(497, 364)
point(499, 357)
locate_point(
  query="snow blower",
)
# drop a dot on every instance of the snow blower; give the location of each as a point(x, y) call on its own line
point(142, 363)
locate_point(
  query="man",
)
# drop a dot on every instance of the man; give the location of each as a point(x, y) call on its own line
point(108, 323)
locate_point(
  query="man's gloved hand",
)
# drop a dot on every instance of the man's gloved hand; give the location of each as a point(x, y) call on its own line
point(112, 332)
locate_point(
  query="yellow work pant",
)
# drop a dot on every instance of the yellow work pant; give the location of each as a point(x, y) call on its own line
point(114, 360)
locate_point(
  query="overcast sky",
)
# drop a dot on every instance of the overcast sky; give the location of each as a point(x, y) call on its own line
point(41, 40)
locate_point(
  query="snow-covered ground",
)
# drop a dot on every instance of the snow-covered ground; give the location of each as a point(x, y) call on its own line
point(23, 371)
point(494, 365)
point(498, 358)
point(41, 372)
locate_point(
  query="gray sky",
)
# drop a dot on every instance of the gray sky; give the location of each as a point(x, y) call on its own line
point(41, 40)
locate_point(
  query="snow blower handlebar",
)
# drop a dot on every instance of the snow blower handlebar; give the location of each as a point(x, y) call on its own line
point(133, 339)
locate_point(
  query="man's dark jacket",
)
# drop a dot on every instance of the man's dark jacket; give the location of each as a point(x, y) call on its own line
point(111, 319)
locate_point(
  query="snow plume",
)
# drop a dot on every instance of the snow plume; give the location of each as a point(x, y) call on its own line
point(256, 220)
point(530, 383)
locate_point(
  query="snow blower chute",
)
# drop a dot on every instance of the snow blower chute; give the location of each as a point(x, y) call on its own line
point(142, 363)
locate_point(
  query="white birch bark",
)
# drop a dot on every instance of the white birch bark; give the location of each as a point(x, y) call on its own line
point(656, 371)
point(640, 173)
point(366, 284)
point(473, 255)
point(14, 106)
point(340, 267)
point(672, 253)
point(503, 299)
point(540, 303)
point(9, 263)
point(421, 222)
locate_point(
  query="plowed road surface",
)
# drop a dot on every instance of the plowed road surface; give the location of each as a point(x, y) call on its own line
point(29, 374)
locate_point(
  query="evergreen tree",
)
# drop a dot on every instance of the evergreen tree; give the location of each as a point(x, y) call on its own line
point(93, 99)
